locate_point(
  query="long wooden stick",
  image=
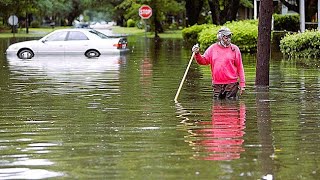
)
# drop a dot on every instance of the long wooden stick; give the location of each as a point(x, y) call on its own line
point(184, 77)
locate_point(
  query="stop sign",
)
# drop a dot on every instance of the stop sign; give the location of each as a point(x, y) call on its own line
point(145, 12)
point(13, 20)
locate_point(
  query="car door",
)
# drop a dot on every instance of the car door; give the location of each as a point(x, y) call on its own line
point(76, 43)
point(53, 44)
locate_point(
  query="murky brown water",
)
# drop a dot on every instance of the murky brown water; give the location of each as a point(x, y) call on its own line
point(115, 118)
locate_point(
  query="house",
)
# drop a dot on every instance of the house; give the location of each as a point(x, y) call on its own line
point(253, 13)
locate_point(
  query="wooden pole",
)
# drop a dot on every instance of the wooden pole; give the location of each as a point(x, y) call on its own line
point(302, 16)
point(255, 9)
point(318, 15)
point(184, 77)
point(264, 43)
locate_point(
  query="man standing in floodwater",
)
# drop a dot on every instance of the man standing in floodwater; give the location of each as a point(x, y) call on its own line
point(226, 66)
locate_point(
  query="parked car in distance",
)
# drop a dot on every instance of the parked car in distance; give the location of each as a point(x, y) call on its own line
point(89, 42)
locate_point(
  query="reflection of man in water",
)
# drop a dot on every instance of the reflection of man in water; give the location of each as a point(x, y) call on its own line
point(223, 139)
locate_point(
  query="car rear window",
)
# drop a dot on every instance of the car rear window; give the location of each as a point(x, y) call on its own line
point(97, 33)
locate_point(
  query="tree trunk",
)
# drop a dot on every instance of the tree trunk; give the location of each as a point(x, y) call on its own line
point(157, 24)
point(264, 126)
point(27, 23)
point(75, 12)
point(229, 12)
point(193, 9)
point(215, 11)
point(264, 41)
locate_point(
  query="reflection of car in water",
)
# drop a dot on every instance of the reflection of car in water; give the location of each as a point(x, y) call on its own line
point(87, 42)
point(222, 137)
point(65, 74)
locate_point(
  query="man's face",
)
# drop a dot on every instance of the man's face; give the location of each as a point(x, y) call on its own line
point(226, 39)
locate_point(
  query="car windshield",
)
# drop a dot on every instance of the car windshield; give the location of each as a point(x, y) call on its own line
point(101, 35)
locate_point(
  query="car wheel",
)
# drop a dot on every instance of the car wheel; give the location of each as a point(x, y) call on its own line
point(92, 53)
point(25, 54)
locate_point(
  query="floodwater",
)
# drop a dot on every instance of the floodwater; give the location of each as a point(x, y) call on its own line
point(114, 118)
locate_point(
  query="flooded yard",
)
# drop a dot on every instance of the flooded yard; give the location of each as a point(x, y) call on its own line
point(114, 117)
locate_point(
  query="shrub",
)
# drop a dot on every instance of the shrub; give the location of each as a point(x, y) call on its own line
point(245, 35)
point(3, 27)
point(288, 22)
point(305, 44)
point(131, 23)
point(35, 24)
point(190, 34)
point(174, 26)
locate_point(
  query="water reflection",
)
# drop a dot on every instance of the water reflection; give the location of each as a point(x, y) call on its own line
point(265, 132)
point(222, 137)
point(116, 121)
point(66, 74)
point(26, 173)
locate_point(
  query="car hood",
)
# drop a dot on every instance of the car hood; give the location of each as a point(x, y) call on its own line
point(24, 43)
point(19, 45)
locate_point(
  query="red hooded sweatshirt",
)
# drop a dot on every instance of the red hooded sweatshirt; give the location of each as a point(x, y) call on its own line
point(226, 64)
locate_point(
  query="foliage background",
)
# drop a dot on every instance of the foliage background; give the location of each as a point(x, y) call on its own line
point(244, 34)
point(306, 45)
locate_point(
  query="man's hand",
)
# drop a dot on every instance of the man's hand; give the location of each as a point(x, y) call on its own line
point(242, 89)
point(195, 48)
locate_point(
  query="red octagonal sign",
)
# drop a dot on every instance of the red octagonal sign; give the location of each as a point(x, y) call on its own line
point(145, 12)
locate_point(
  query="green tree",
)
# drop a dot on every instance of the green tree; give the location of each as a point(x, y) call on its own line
point(21, 8)
point(193, 10)
point(221, 10)
point(161, 9)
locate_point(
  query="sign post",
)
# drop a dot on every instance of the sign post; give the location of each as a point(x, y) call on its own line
point(145, 12)
point(13, 21)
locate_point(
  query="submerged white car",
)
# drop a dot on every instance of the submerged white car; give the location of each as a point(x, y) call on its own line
point(89, 42)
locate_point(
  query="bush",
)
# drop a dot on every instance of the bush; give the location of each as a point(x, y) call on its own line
point(3, 27)
point(131, 23)
point(35, 24)
point(190, 34)
point(245, 35)
point(305, 44)
point(173, 26)
point(288, 22)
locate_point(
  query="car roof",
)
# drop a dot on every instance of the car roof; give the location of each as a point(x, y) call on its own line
point(86, 30)
point(72, 29)
point(77, 29)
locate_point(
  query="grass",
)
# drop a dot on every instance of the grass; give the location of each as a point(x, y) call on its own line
point(40, 32)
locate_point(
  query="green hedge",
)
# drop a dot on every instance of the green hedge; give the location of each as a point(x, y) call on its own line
point(131, 23)
point(288, 22)
point(3, 27)
point(190, 34)
point(245, 35)
point(305, 45)
point(35, 24)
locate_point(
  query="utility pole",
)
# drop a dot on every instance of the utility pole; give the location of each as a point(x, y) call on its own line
point(264, 43)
